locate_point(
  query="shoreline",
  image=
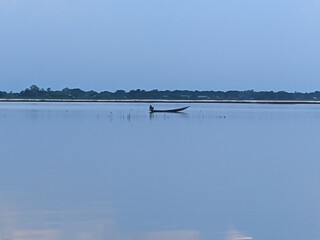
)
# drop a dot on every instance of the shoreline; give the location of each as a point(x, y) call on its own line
point(159, 101)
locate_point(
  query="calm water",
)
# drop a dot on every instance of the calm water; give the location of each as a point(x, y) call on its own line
point(112, 171)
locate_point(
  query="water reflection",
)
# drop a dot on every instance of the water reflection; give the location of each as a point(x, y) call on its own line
point(237, 235)
point(56, 225)
point(113, 171)
point(166, 116)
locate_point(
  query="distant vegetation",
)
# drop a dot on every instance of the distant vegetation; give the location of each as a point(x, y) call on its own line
point(34, 92)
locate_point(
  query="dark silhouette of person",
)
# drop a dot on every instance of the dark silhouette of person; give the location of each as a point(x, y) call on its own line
point(151, 108)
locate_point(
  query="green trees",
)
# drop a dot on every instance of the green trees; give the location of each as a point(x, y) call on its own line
point(34, 92)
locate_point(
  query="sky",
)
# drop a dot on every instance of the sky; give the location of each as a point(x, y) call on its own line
point(160, 44)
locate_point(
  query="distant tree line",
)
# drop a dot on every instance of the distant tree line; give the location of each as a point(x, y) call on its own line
point(34, 92)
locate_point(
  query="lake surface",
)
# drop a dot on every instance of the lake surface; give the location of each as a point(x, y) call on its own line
point(93, 171)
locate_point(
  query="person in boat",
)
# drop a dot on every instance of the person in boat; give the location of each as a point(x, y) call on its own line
point(151, 108)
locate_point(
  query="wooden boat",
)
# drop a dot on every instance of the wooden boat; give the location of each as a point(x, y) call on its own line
point(152, 110)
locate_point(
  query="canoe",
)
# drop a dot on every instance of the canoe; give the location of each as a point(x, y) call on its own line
point(169, 110)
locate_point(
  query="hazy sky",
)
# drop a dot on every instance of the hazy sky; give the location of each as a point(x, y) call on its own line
point(160, 44)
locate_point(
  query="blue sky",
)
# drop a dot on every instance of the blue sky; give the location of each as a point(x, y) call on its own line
point(160, 44)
